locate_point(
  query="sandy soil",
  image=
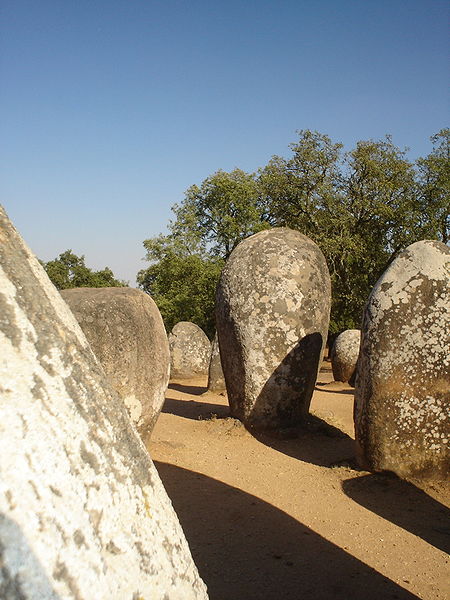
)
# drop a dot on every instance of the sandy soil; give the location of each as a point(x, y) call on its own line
point(291, 518)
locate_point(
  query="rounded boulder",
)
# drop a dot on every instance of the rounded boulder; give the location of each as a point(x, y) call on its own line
point(190, 350)
point(272, 314)
point(344, 354)
point(403, 378)
point(126, 333)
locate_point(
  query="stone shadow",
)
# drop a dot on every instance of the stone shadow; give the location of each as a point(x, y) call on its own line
point(195, 409)
point(315, 441)
point(16, 585)
point(404, 504)
point(320, 388)
point(247, 549)
point(194, 390)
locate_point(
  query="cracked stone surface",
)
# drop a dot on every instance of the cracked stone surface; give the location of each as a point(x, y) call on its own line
point(83, 513)
point(126, 332)
point(403, 377)
point(190, 350)
point(272, 314)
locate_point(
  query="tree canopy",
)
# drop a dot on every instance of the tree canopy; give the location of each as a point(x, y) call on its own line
point(70, 271)
point(361, 207)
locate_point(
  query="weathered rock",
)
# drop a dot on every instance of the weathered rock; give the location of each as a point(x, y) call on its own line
point(403, 376)
point(83, 513)
point(216, 379)
point(272, 313)
point(190, 350)
point(344, 354)
point(126, 332)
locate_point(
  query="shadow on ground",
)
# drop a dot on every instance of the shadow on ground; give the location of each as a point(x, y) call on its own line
point(321, 387)
point(404, 504)
point(194, 390)
point(246, 549)
point(316, 442)
point(195, 409)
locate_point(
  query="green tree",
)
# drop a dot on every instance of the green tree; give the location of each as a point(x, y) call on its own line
point(70, 271)
point(186, 264)
point(221, 212)
point(360, 208)
point(434, 186)
point(181, 281)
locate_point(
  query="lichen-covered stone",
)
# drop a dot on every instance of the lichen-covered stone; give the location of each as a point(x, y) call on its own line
point(403, 377)
point(216, 379)
point(344, 354)
point(126, 332)
point(190, 350)
point(272, 313)
point(83, 513)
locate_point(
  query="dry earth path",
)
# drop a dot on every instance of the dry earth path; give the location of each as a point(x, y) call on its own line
point(291, 518)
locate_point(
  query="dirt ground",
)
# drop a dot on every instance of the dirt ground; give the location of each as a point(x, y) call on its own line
point(292, 518)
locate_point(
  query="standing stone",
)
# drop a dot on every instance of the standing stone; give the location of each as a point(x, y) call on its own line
point(344, 354)
point(216, 380)
point(272, 313)
point(83, 513)
point(126, 332)
point(403, 378)
point(190, 350)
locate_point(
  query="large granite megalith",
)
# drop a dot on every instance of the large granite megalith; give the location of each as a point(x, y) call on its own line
point(272, 313)
point(126, 332)
point(403, 377)
point(190, 350)
point(344, 354)
point(216, 379)
point(83, 513)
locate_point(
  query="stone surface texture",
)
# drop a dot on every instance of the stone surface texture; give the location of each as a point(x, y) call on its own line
point(344, 354)
point(272, 314)
point(403, 377)
point(216, 379)
point(83, 513)
point(126, 332)
point(190, 350)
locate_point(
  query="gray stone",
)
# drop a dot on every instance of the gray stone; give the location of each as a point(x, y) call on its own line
point(344, 354)
point(403, 376)
point(272, 313)
point(83, 513)
point(216, 379)
point(190, 350)
point(126, 332)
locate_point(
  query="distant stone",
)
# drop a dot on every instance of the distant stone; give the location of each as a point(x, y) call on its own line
point(403, 378)
point(344, 354)
point(83, 511)
point(272, 313)
point(216, 379)
point(190, 350)
point(126, 332)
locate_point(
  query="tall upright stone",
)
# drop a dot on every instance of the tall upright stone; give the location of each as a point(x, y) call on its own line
point(403, 377)
point(344, 354)
point(216, 379)
point(126, 332)
point(190, 350)
point(83, 513)
point(272, 314)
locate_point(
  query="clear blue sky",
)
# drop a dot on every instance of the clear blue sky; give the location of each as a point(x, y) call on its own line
point(110, 109)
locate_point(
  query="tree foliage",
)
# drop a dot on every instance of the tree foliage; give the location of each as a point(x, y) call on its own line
point(181, 282)
point(70, 271)
point(361, 207)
